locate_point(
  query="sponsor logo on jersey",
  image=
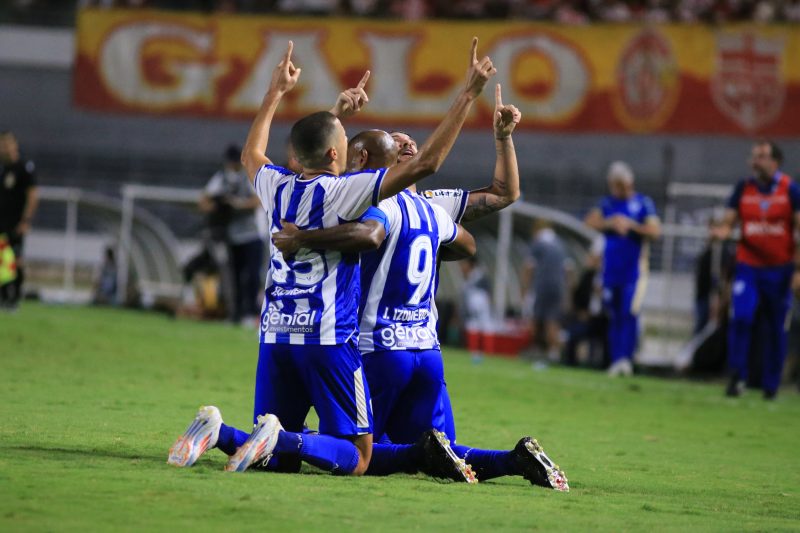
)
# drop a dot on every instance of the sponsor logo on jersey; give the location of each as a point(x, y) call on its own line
point(753, 229)
point(452, 193)
point(275, 320)
point(400, 336)
point(278, 292)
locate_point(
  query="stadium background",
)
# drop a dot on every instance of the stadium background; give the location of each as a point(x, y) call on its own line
point(111, 102)
point(677, 131)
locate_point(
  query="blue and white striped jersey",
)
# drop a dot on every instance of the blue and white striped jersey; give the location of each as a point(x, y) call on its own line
point(313, 297)
point(398, 279)
point(454, 201)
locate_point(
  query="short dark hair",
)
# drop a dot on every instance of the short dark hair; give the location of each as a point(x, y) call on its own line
point(311, 137)
point(233, 154)
point(774, 150)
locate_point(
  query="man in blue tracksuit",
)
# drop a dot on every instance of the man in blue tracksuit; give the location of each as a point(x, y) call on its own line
point(629, 222)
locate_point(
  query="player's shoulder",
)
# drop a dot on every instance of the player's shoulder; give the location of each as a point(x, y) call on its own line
point(390, 207)
point(273, 171)
point(363, 171)
point(440, 212)
point(645, 200)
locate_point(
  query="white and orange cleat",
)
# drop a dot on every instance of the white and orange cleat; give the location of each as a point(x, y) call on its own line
point(259, 445)
point(201, 435)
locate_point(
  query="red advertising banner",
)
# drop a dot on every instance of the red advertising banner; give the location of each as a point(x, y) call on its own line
point(738, 80)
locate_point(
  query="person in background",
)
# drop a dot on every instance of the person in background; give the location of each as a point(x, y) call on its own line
point(18, 202)
point(767, 207)
point(587, 321)
point(629, 222)
point(105, 283)
point(230, 203)
point(714, 268)
point(476, 307)
point(544, 280)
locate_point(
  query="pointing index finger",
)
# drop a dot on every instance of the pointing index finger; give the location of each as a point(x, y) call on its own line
point(363, 81)
point(498, 96)
point(289, 49)
point(474, 51)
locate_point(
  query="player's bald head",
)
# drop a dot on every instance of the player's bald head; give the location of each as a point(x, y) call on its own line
point(313, 136)
point(371, 149)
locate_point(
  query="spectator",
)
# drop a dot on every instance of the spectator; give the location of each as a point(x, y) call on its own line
point(629, 222)
point(18, 202)
point(476, 307)
point(791, 11)
point(105, 283)
point(714, 269)
point(587, 320)
point(230, 203)
point(543, 283)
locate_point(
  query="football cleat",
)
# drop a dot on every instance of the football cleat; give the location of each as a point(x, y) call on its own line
point(735, 388)
point(537, 467)
point(441, 461)
point(201, 435)
point(622, 367)
point(259, 445)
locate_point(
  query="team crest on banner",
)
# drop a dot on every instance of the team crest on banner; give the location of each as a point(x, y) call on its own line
point(747, 86)
point(648, 82)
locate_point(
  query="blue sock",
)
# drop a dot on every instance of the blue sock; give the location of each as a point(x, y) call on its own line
point(488, 464)
point(394, 458)
point(230, 438)
point(339, 456)
point(289, 442)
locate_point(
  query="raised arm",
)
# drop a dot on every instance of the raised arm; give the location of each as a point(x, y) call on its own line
point(504, 189)
point(350, 101)
point(433, 153)
point(284, 78)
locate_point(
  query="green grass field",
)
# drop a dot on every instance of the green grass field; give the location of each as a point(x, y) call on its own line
point(92, 399)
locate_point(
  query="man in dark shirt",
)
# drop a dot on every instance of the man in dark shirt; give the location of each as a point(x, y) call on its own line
point(18, 201)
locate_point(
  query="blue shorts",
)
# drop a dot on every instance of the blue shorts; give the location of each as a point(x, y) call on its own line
point(292, 378)
point(407, 390)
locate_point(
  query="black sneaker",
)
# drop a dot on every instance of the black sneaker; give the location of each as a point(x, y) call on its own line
point(441, 461)
point(736, 387)
point(537, 467)
point(770, 394)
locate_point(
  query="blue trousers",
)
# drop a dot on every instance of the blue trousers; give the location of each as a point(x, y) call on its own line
point(769, 290)
point(623, 320)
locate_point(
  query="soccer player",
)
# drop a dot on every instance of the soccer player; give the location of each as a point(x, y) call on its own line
point(308, 354)
point(398, 339)
point(767, 207)
point(629, 222)
point(18, 202)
